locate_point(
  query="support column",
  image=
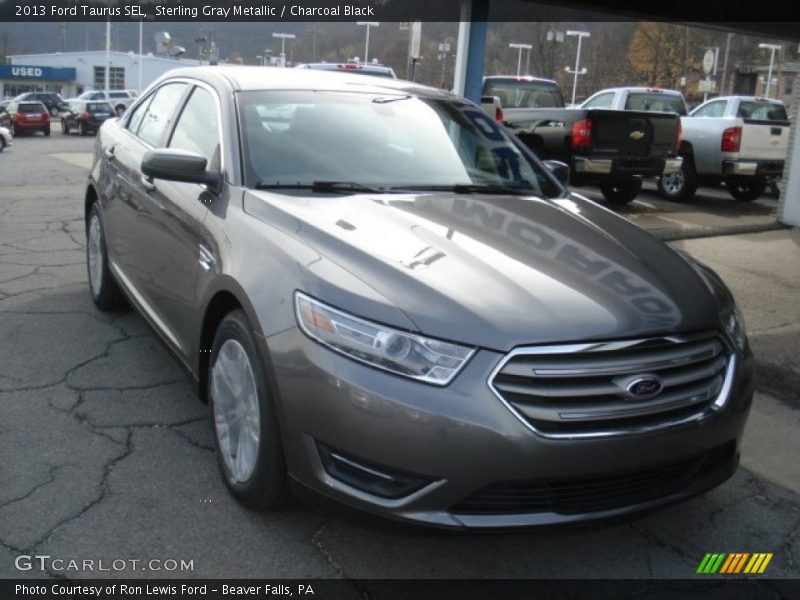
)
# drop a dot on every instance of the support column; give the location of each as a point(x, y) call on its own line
point(476, 55)
point(789, 205)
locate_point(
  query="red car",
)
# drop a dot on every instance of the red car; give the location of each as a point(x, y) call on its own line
point(28, 116)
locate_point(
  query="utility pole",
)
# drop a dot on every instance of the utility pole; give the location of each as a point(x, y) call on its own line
point(367, 24)
point(580, 35)
point(772, 48)
point(520, 48)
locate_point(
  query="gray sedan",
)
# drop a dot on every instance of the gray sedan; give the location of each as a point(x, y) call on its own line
point(389, 302)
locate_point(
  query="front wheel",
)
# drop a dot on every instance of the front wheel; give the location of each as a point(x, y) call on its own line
point(46, 132)
point(105, 291)
point(621, 191)
point(681, 185)
point(246, 432)
point(82, 130)
point(746, 189)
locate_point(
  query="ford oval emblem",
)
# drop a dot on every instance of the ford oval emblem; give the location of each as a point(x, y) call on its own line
point(644, 388)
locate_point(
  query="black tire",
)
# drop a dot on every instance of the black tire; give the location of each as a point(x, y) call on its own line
point(54, 112)
point(2, 144)
point(82, 131)
point(106, 293)
point(621, 191)
point(746, 189)
point(46, 132)
point(12, 130)
point(680, 186)
point(64, 127)
point(267, 487)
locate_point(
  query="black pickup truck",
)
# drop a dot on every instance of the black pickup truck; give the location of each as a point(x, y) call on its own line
point(613, 149)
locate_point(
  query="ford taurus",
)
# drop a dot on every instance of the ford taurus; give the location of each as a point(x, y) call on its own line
point(391, 303)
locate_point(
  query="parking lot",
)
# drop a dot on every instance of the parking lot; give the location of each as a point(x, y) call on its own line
point(108, 454)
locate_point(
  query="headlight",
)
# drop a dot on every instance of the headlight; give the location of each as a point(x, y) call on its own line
point(733, 322)
point(414, 356)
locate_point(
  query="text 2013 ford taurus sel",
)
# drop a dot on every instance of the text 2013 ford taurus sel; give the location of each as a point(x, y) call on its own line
point(390, 303)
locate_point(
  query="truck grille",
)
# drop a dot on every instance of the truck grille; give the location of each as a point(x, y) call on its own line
point(572, 496)
point(595, 390)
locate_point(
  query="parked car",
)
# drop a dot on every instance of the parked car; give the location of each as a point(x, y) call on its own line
point(5, 138)
point(119, 99)
point(86, 117)
point(352, 68)
point(740, 141)
point(390, 302)
point(5, 118)
point(53, 101)
point(610, 146)
point(28, 117)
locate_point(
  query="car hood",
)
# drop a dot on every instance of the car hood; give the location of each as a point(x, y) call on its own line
point(502, 271)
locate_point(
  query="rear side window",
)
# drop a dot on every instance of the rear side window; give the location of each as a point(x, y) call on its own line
point(155, 122)
point(762, 110)
point(600, 101)
point(711, 110)
point(197, 129)
point(655, 102)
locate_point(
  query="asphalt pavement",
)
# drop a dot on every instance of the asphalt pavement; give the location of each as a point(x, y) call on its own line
point(107, 453)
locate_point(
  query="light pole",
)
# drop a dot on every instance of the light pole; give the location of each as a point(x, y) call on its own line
point(283, 37)
point(521, 47)
point(367, 24)
point(577, 71)
point(771, 47)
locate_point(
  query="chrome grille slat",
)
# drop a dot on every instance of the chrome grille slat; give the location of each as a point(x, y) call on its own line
point(596, 363)
point(583, 390)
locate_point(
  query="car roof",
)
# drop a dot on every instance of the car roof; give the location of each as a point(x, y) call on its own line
point(642, 89)
point(519, 78)
point(253, 78)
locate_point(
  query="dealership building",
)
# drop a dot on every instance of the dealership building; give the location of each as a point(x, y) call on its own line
point(72, 73)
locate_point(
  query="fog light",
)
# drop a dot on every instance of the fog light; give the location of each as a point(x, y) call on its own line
point(367, 477)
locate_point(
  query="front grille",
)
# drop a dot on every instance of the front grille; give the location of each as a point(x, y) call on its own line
point(583, 390)
point(573, 496)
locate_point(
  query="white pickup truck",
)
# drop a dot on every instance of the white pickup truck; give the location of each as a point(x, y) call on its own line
point(737, 140)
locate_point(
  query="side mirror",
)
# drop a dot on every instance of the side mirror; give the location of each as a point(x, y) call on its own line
point(559, 169)
point(179, 165)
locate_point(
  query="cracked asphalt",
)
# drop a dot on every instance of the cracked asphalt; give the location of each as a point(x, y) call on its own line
point(107, 453)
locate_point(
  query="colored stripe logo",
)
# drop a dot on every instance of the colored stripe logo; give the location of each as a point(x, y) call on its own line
point(734, 563)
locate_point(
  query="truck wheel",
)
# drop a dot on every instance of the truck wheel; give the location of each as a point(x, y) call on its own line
point(621, 191)
point(746, 189)
point(679, 186)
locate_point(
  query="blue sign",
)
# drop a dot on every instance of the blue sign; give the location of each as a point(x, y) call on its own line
point(37, 73)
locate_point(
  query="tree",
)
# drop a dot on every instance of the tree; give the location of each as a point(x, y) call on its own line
point(659, 53)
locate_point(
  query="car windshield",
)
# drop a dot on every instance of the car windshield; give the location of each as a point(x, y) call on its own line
point(655, 102)
point(380, 140)
point(99, 107)
point(519, 93)
point(31, 107)
point(762, 110)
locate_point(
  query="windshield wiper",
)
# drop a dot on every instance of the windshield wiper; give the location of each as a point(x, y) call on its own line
point(343, 187)
point(468, 188)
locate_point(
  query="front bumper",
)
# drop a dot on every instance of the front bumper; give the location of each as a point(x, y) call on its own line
point(461, 440)
point(753, 168)
point(627, 167)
